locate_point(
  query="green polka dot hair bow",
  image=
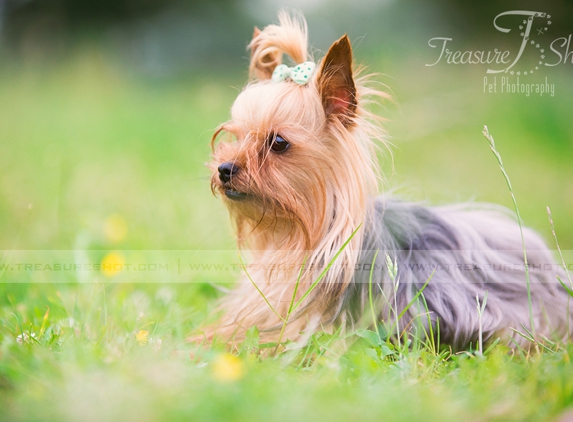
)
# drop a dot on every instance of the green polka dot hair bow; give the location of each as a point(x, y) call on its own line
point(299, 74)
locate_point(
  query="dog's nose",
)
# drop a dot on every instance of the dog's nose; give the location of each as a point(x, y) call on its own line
point(227, 170)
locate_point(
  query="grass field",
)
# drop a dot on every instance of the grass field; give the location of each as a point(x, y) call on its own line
point(95, 159)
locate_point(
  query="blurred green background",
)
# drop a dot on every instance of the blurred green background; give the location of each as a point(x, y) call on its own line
point(107, 108)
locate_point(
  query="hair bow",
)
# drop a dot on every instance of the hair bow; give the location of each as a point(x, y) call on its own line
point(299, 74)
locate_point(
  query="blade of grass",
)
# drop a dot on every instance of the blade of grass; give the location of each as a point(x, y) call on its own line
point(259, 290)
point(290, 308)
point(416, 296)
point(492, 345)
point(44, 322)
point(414, 299)
point(558, 247)
point(323, 273)
point(19, 324)
point(518, 348)
point(480, 310)
point(393, 273)
point(506, 176)
point(430, 327)
point(529, 337)
point(567, 288)
point(374, 319)
point(326, 346)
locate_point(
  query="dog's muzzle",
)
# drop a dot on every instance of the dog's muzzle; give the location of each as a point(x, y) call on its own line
point(227, 171)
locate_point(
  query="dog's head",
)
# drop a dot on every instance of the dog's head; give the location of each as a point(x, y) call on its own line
point(294, 154)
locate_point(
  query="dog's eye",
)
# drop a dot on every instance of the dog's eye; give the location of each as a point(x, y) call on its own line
point(278, 143)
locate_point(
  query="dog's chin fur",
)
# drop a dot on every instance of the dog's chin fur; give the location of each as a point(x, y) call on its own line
point(301, 206)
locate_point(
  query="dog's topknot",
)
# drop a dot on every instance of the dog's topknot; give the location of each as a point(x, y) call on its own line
point(267, 47)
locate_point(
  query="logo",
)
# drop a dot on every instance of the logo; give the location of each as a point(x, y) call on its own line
point(533, 53)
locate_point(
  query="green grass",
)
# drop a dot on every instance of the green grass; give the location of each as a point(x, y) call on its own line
point(84, 144)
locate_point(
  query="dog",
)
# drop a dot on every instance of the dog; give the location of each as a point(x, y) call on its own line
point(296, 165)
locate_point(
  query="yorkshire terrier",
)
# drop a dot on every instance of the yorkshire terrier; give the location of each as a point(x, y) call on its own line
point(298, 171)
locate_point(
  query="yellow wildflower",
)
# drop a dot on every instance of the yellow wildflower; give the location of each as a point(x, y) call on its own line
point(112, 263)
point(142, 337)
point(227, 368)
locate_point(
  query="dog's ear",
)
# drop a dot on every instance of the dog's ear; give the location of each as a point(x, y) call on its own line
point(335, 82)
point(262, 67)
point(256, 32)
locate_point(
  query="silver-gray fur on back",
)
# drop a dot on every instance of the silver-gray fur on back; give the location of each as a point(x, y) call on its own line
point(473, 249)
